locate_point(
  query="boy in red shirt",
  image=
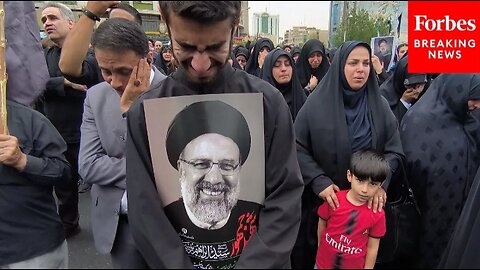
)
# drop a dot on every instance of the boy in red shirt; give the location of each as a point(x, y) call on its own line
point(349, 236)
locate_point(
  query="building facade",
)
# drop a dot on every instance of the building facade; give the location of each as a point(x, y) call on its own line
point(339, 10)
point(298, 35)
point(265, 24)
point(242, 31)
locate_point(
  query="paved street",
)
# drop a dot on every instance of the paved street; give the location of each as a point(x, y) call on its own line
point(82, 252)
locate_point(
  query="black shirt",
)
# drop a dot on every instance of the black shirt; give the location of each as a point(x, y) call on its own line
point(29, 223)
point(272, 243)
point(62, 105)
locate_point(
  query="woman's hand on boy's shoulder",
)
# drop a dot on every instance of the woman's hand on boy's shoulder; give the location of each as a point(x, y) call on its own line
point(330, 197)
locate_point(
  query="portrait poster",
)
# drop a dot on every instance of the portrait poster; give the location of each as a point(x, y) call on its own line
point(208, 158)
point(384, 48)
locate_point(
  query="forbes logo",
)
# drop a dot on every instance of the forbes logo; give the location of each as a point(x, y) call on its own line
point(446, 24)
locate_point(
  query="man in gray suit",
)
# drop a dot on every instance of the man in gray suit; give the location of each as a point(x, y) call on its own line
point(122, 53)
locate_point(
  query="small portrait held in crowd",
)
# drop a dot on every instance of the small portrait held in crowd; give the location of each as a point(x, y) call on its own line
point(383, 48)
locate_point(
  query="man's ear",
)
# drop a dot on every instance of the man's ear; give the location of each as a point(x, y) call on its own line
point(71, 24)
point(180, 169)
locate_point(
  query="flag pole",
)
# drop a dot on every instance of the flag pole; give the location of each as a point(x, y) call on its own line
point(3, 74)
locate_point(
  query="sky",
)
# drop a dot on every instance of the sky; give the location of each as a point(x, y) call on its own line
point(299, 13)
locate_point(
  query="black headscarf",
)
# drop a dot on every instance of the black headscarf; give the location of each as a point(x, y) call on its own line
point(356, 109)
point(324, 140)
point(303, 67)
point(295, 50)
point(235, 63)
point(160, 62)
point(293, 91)
point(441, 139)
point(322, 121)
point(252, 63)
point(241, 51)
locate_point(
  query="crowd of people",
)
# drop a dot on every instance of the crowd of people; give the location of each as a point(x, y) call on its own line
point(338, 129)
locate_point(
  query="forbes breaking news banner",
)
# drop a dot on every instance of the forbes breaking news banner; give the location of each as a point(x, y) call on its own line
point(444, 37)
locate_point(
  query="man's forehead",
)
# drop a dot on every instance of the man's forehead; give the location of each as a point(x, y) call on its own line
point(51, 11)
point(122, 59)
point(212, 140)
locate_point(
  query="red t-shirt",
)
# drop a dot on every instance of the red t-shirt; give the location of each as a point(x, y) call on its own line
point(344, 241)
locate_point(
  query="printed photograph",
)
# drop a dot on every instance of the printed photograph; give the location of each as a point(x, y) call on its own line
point(384, 48)
point(208, 159)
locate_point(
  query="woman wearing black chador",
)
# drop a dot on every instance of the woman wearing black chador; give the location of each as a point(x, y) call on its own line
point(343, 115)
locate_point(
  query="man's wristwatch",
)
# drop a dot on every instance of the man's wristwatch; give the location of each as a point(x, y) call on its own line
point(91, 15)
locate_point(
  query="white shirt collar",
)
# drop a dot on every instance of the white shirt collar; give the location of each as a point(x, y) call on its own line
point(152, 73)
point(406, 104)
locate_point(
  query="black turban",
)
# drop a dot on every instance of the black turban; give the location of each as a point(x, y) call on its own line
point(207, 117)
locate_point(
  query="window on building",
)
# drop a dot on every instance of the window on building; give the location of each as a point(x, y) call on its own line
point(151, 23)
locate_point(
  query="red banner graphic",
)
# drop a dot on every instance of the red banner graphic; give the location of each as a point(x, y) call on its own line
point(443, 37)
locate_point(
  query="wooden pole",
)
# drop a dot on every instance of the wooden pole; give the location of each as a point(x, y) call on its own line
point(3, 74)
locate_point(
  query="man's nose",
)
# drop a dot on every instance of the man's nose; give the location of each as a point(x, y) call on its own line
point(116, 83)
point(201, 62)
point(214, 176)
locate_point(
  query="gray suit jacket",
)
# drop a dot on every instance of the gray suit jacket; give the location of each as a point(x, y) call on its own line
point(101, 160)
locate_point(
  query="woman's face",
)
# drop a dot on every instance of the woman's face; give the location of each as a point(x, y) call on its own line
point(282, 70)
point(295, 57)
point(242, 61)
point(167, 55)
point(315, 59)
point(402, 51)
point(357, 67)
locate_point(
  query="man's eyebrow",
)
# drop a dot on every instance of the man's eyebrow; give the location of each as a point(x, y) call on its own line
point(209, 47)
point(51, 16)
point(117, 68)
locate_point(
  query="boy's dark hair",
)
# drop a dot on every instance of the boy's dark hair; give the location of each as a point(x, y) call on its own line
point(133, 11)
point(206, 12)
point(369, 164)
point(120, 35)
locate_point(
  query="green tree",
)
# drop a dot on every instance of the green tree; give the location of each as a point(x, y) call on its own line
point(361, 26)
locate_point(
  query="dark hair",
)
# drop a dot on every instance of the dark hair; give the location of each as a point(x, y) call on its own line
point(401, 45)
point(119, 34)
point(166, 48)
point(369, 164)
point(133, 11)
point(205, 12)
point(381, 41)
